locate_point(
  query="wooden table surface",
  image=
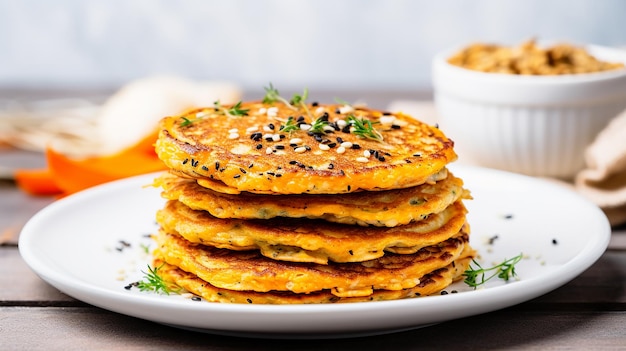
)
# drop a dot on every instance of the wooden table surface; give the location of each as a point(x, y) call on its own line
point(587, 313)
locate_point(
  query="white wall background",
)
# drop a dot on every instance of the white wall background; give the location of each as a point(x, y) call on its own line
point(293, 43)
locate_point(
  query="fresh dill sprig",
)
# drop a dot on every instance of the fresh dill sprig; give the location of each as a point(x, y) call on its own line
point(300, 101)
point(152, 281)
point(289, 126)
point(318, 125)
point(234, 111)
point(475, 276)
point(364, 128)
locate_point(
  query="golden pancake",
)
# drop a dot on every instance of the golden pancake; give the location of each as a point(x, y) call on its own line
point(319, 149)
point(304, 240)
point(382, 208)
point(430, 283)
point(249, 270)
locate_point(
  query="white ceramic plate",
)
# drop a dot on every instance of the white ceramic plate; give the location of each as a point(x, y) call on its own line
point(75, 245)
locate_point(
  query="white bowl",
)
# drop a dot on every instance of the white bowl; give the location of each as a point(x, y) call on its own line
point(535, 125)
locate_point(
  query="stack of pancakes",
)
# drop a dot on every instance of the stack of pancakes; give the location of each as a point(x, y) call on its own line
point(275, 203)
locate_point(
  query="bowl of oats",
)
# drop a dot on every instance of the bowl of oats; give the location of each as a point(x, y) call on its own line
point(532, 108)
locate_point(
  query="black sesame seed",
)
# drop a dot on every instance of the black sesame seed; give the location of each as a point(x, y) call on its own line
point(128, 287)
point(278, 175)
point(355, 146)
point(314, 104)
point(337, 111)
point(269, 139)
point(351, 252)
point(185, 161)
point(332, 145)
point(251, 165)
point(270, 173)
point(395, 126)
point(205, 168)
point(280, 147)
point(444, 292)
point(346, 129)
point(300, 119)
point(331, 166)
point(242, 170)
point(196, 298)
point(554, 242)
point(259, 146)
point(271, 126)
point(217, 166)
point(292, 162)
point(307, 147)
point(381, 159)
point(318, 138)
point(349, 188)
point(282, 136)
point(339, 140)
point(237, 176)
point(387, 113)
point(249, 301)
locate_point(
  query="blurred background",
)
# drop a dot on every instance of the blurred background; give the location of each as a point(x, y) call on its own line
point(347, 44)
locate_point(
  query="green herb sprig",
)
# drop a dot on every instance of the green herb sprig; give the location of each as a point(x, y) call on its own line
point(475, 276)
point(298, 101)
point(317, 126)
point(152, 281)
point(289, 126)
point(234, 111)
point(272, 96)
point(364, 128)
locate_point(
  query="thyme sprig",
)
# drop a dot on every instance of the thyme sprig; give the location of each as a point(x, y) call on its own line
point(318, 125)
point(289, 126)
point(364, 128)
point(233, 111)
point(298, 101)
point(152, 281)
point(272, 96)
point(475, 276)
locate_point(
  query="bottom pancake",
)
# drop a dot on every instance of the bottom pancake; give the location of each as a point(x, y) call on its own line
point(430, 283)
point(249, 270)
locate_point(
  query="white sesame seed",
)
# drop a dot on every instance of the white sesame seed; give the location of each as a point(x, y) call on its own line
point(362, 159)
point(252, 129)
point(295, 141)
point(341, 123)
point(346, 109)
point(262, 110)
point(319, 110)
point(329, 129)
point(233, 136)
point(367, 153)
point(387, 119)
point(269, 150)
point(234, 130)
point(346, 144)
point(272, 111)
point(267, 129)
point(268, 136)
point(305, 126)
point(276, 137)
point(299, 149)
point(341, 150)
point(324, 147)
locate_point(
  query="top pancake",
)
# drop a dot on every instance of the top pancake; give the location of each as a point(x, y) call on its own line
point(267, 152)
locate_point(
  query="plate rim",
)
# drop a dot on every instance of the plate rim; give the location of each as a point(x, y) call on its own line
point(501, 296)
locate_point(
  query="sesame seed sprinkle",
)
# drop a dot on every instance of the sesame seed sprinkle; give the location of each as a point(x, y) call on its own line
point(341, 150)
point(324, 147)
point(299, 149)
point(362, 159)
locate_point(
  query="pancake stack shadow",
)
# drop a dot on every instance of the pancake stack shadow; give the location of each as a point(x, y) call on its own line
point(309, 203)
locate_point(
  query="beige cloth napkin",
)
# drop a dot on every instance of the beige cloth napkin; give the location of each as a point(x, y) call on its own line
point(602, 181)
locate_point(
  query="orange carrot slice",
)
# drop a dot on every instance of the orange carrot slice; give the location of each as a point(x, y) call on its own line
point(37, 182)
